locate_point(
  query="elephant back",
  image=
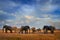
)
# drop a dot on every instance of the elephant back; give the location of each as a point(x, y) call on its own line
point(45, 27)
point(25, 27)
point(7, 27)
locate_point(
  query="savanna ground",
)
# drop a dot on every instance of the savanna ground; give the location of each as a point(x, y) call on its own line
point(36, 36)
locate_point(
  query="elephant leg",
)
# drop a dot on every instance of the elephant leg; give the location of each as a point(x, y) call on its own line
point(27, 31)
point(22, 31)
point(45, 31)
point(33, 31)
point(5, 30)
point(10, 31)
point(52, 31)
point(15, 31)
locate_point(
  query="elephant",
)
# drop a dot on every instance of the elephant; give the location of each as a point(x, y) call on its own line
point(6, 27)
point(33, 29)
point(46, 28)
point(25, 28)
point(39, 30)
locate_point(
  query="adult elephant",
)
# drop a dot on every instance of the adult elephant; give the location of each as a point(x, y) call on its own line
point(6, 27)
point(25, 28)
point(46, 28)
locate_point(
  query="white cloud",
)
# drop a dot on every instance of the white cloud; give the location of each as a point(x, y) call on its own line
point(48, 8)
point(28, 17)
point(26, 14)
point(6, 13)
point(2, 12)
point(9, 20)
point(56, 20)
point(31, 20)
point(8, 4)
point(27, 9)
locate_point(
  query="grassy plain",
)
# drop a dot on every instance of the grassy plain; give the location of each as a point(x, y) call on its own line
point(36, 36)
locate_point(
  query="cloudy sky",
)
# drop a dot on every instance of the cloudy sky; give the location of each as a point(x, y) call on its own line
point(35, 13)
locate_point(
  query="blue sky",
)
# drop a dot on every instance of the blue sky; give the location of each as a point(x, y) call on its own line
point(35, 13)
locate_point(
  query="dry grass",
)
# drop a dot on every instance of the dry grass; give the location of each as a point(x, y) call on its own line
point(17, 36)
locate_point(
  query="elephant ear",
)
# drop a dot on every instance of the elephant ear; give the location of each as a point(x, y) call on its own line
point(44, 27)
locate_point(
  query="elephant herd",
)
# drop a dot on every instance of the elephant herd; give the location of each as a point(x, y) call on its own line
point(27, 29)
point(23, 28)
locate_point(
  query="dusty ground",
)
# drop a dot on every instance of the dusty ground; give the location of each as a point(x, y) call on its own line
point(37, 36)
